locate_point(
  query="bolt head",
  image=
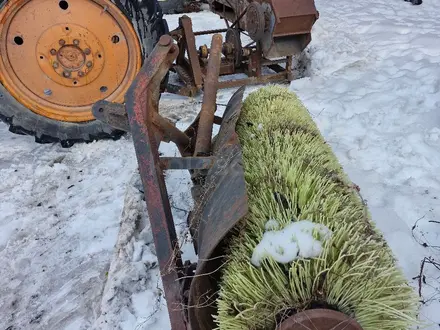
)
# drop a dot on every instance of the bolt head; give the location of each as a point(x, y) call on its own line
point(89, 64)
point(55, 65)
point(80, 74)
point(87, 51)
point(47, 92)
point(66, 74)
point(53, 51)
point(165, 40)
point(76, 42)
point(62, 42)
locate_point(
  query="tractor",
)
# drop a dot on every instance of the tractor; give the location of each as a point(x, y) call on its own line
point(59, 58)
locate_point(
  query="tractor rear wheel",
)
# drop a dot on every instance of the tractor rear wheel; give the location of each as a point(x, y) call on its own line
point(60, 57)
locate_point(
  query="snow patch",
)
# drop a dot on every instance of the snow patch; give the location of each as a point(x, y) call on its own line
point(300, 239)
point(272, 224)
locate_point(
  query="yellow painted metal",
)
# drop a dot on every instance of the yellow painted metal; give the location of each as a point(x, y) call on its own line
point(60, 57)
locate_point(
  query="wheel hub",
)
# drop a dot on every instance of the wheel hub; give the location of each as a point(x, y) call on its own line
point(71, 57)
point(68, 58)
point(60, 57)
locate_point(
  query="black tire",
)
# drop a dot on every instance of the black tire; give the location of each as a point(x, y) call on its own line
point(147, 18)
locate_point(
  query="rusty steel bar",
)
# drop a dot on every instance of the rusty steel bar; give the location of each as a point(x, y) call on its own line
point(204, 133)
point(171, 133)
point(201, 33)
point(190, 41)
point(141, 103)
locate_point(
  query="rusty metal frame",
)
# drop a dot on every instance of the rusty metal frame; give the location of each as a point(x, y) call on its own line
point(192, 69)
point(221, 206)
point(141, 106)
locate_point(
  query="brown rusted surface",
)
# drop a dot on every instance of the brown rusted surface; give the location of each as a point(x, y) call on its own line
point(219, 188)
point(171, 133)
point(190, 45)
point(227, 67)
point(59, 62)
point(282, 26)
point(237, 59)
point(217, 211)
point(141, 105)
point(289, 28)
point(295, 17)
point(220, 203)
point(204, 133)
point(319, 319)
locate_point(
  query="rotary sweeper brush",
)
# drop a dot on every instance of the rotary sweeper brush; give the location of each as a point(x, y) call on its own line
point(58, 58)
point(283, 239)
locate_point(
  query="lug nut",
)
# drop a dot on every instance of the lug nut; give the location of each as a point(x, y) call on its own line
point(87, 51)
point(55, 65)
point(80, 74)
point(66, 74)
point(76, 42)
point(89, 64)
point(61, 42)
point(53, 51)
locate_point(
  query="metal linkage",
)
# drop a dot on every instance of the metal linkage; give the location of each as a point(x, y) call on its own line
point(142, 109)
point(203, 141)
point(278, 29)
point(218, 181)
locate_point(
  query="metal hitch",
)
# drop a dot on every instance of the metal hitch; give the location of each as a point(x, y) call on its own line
point(219, 190)
point(278, 30)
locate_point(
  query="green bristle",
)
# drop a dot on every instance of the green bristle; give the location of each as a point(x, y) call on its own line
point(292, 174)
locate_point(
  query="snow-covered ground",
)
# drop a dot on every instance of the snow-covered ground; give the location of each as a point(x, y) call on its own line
point(67, 259)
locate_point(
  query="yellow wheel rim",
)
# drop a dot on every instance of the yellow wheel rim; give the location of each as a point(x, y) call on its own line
point(60, 57)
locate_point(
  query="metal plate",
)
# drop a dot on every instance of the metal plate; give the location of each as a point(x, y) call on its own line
point(222, 205)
